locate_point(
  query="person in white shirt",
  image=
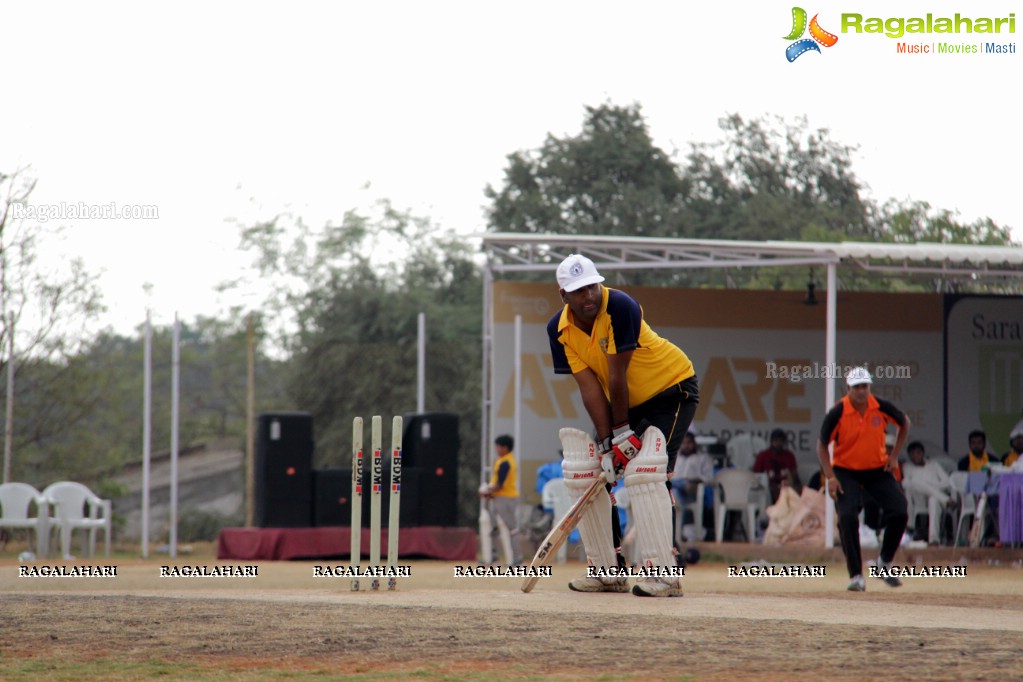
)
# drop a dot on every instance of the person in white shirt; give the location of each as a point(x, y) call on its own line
point(927, 481)
point(691, 469)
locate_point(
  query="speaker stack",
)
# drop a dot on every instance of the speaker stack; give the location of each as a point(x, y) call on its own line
point(431, 447)
point(283, 470)
point(291, 494)
point(332, 497)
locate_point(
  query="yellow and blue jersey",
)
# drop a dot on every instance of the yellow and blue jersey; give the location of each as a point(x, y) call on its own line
point(503, 480)
point(657, 364)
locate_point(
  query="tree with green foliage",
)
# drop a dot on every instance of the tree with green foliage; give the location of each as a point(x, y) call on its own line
point(348, 298)
point(42, 312)
point(610, 179)
point(97, 396)
point(917, 221)
point(780, 181)
point(763, 180)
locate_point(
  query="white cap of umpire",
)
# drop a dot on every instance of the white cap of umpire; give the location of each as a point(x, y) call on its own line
point(858, 376)
point(576, 272)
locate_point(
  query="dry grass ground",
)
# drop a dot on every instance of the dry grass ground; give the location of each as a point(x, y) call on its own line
point(287, 624)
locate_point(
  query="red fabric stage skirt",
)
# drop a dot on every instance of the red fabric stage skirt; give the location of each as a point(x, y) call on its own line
point(451, 544)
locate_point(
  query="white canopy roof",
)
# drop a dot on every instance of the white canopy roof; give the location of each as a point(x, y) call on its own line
point(519, 252)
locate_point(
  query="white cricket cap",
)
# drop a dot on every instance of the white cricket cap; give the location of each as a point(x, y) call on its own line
point(858, 376)
point(576, 272)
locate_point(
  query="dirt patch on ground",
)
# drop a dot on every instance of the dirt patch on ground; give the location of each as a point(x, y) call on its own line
point(237, 634)
point(286, 622)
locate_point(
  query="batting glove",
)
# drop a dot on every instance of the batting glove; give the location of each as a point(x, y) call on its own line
point(607, 459)
point(625, 445)
point(625, 442)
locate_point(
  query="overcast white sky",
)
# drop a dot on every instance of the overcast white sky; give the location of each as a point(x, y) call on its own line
point(212, 111)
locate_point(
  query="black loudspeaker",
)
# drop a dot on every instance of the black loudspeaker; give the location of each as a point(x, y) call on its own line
point(332, 500)
point(283, 470)
point(430, 444)
point(408, 516)
point(332, 497)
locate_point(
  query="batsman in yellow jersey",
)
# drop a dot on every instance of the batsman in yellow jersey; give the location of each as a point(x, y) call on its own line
point(633, 383)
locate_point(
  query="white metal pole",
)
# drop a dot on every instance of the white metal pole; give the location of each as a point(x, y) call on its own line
point(147, 428)
point(486, 417)
point(421, 365)
point(9, 403)
point(175, 371)
point(517, 427)
point(829, 390)
point(486, 414)
point(250, 424)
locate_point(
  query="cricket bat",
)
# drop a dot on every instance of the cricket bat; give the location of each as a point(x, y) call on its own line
point(486, 526)
point(977, 529)
point(556, 538)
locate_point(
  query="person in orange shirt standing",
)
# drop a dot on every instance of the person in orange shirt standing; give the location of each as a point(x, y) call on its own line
point(860, 463)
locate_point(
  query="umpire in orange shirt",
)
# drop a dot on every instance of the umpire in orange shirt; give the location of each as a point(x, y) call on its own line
point(860, 464)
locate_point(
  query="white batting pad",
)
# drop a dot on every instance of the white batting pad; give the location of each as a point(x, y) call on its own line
point(651, 512)
point(581, 466)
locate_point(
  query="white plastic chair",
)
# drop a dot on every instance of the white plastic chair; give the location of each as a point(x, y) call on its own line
point(958, 479)
point(936, 453)
point(696, 507)
point(556, 497)
point(967, 502)
point(732, 489)
point(743, 449)
point(16, 500)
point(922, 504)
point(70, 501)
point(917, 506)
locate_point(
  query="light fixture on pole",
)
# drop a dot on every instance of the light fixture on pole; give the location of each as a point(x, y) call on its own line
point(811, 289)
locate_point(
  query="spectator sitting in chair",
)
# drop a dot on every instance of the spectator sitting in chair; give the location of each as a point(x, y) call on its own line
point(926, 481)
point(1015, 446)
point(545, 473)
point(548, 472)
point(691, 469)
point(779, 463)
point(978, 458)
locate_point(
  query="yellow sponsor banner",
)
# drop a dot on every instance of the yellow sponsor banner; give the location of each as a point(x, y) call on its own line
point(759, 357)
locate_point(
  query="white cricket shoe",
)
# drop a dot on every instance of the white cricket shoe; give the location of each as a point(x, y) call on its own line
point(658, 587)
point(588, 584)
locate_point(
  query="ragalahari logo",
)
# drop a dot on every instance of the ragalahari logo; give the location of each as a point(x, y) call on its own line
point(817, 35)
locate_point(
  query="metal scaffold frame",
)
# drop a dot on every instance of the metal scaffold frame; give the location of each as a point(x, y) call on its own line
point(524, 252)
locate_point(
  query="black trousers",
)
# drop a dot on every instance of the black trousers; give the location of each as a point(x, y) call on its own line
point(886, 491)
point(671, 411)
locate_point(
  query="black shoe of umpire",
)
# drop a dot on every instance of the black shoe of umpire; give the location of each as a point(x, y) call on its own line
point(885, 575)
